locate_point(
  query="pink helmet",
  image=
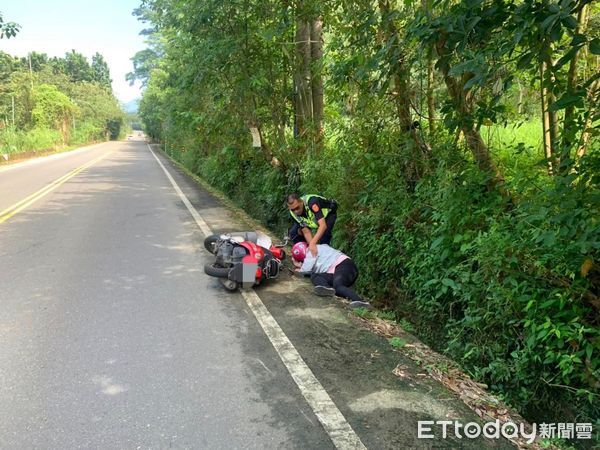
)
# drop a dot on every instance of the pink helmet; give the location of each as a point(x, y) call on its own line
point(299, 251)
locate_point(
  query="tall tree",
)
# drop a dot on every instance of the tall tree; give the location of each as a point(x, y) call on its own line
point(35, 60)
point(399, 72)
point(316, 53)
point(77, 67)
point(554, 43)
point(302, 76)
point(100, 71)
point(308, 78)
point(143, 63)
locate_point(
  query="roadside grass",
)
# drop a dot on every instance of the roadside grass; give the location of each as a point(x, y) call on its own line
point(17, 141)
point(397, 342)
point(528, 133)
point(386, 325)
point(406, 325)
point(517, 147)
point(368, 314)
point(19, 144)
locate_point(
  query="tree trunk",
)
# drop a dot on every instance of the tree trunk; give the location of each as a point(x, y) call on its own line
point(316, 48)
point(550, 119)
point(430, 72)
point(480, 151)
point(570, 127)
point(302, 77)
point(268, 154)
point(430, 99)
point(548, 149)
point(520, 101)
point(552, 115)
point(400, 78)
point(463, 104)
point(593, 92)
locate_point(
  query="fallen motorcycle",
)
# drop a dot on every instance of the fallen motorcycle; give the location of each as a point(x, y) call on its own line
point(243, 259)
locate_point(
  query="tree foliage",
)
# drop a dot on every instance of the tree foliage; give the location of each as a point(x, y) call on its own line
point(55, 101)
point(8, 29)
point(101, 72)
point(490, 246)
point(51, 108)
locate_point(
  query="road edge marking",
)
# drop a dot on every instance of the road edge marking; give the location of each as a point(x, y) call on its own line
point(333, 421)
point(199, 220)
point(335, 424)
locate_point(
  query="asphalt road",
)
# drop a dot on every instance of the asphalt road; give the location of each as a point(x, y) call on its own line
point(111, 336)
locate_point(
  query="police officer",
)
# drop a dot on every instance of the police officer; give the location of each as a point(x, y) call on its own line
point(314, 218)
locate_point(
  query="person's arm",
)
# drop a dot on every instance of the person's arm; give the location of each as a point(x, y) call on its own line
point(320, 218)
point(312, 244)
point(309, 264)
point(307, 234)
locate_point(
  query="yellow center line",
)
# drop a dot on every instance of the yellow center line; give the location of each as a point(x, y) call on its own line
point(27, 201)
point(49, 186)
point(2, 213)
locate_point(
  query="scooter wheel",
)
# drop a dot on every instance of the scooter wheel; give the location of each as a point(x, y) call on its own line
point(216, 271)
point(210, 243)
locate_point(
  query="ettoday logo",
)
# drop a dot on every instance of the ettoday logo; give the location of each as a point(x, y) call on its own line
point(429, 429)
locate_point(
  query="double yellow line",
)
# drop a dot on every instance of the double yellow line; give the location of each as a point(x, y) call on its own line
point(27, 201)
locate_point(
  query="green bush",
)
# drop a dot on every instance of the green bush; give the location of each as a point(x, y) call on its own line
point(86, 132)
point(18, 141)
point(505, 283)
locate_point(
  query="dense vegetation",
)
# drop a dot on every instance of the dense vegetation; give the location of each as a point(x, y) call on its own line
point(460, 138)
point(49, 103)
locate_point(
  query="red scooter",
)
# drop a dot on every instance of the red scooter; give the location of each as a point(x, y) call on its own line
point(243, 259)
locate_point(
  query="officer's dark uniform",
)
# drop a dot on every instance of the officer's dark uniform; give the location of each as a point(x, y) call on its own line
point(315, 208)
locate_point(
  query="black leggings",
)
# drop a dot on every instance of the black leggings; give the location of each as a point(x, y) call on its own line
point(344, 276)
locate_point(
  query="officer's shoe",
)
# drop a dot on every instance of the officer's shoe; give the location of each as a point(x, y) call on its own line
point(324, 291)
point(358, 304)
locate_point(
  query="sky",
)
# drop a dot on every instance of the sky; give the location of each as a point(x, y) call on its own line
point(56, 27)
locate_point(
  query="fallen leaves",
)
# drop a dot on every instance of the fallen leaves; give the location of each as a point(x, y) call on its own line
point(399, 371)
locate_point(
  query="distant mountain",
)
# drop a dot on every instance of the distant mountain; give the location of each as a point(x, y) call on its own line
point(132, 106)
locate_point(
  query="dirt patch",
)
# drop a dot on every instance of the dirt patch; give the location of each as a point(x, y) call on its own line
point(446, 371)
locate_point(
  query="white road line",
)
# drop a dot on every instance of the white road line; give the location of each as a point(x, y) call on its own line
point(335, 424)
point(199, 220)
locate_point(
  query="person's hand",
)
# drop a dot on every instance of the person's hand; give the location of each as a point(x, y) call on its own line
point(312, 247)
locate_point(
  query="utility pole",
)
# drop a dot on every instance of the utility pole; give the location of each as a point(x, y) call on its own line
point(73, 114)
point(13, 110)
